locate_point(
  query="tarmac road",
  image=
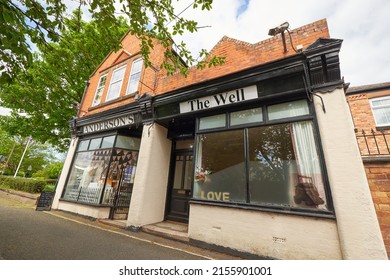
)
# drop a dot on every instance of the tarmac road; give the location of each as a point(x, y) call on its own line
point(26, 234)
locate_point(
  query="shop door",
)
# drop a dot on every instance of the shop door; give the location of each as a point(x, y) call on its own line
point(180, 183)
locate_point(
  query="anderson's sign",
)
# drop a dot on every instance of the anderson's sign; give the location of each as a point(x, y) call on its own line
point(109, 124)
point(220, 99)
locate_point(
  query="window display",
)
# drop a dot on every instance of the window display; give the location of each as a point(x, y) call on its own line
point(99, 172)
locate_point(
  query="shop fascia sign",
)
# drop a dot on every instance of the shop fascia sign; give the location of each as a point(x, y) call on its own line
point(109, 124)
point(219, 99)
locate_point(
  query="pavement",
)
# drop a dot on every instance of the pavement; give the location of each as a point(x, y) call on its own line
point(167, 234)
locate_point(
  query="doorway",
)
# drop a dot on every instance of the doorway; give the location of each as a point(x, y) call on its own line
point(180, 185)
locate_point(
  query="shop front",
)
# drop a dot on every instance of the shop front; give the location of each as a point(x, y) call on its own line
point(101, 175)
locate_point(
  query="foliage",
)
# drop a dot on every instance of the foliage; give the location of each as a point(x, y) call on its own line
point(41, 97)
point(37, 156)
point(22, 184)
point(23, 22)
point(51, 171)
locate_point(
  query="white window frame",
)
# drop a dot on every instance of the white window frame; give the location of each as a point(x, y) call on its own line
point(133, 73)
point(375, 108)
point(96, 102)
point(108, 98)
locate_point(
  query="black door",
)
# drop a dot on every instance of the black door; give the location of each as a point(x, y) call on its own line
point(180, 186)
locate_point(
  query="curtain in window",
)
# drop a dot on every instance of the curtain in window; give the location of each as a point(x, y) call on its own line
point(310, 187)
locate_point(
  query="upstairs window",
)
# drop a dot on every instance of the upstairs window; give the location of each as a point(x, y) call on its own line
point(99, 90)
point(135, 76)
point(116, 83)
point(381, 110)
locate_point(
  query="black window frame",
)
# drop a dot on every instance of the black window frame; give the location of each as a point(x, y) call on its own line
point(329, 213)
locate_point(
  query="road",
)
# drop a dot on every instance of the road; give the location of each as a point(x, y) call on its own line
point(26, 234)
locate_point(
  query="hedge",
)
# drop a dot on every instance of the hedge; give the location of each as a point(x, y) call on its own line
point(23, 184)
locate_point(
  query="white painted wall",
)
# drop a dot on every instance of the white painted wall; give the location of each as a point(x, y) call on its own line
point(64, 172)
point(266, 234)
point(85, 210)
point(359, 232)
point(147, 204)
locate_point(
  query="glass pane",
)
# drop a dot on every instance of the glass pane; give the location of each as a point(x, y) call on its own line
point(87, 176)
point(220, 167)
point(184, 144)
point(118, 74)
point(133, 83)
point(246, 116)
point(288, 110)
point(99, 91)
point(188, 173)
point(212, 121)
point(382, 116)
point(95, 144)
point(381, 102)
point(129, 143)
point(178, 174)
point(114, 90)
point(83, 146)
point(108, 142)
point(284, 167)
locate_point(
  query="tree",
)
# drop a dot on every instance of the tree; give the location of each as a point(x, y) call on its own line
point(41, 97)
point(23, 22)
point(37, 157)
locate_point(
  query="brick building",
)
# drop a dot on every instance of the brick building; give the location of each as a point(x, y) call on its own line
point(244, 153)
point(370, 108)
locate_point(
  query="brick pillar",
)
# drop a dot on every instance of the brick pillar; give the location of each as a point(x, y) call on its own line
point(378, 175)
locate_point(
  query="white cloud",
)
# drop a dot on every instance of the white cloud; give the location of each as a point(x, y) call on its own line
point(361, 24)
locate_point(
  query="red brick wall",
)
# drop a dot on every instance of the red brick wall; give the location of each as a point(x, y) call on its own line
point(239, 56)
point(378, 175)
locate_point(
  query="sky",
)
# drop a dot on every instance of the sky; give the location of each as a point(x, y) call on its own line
point(361, 24)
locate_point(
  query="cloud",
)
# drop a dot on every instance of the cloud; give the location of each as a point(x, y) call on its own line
point(361, 24)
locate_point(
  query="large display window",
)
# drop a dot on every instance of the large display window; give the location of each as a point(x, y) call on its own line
point(271, 159)
point(102, 165)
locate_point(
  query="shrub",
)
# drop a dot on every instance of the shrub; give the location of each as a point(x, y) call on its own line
point(22, 184)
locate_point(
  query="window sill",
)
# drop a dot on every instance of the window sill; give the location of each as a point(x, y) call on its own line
point(274, 209)
point(118, 99)
point(380, 128)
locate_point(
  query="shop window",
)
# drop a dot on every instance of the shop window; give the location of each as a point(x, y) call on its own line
point(135, 76)
point(212, 122)
point(99, 169)
point(265, 165)
point(381, 110)
point(99, 90)
point(114, 89)
point(220, 166)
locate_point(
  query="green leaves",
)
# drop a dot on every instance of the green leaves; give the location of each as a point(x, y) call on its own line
point(41, 96)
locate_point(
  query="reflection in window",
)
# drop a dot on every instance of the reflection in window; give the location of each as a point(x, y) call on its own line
point(97, 174)
point(116, 83)
point(381, 110)
point(135, 76)
point(288, 110)
point(212, 121)
point(99, 90)
point(282, 167)
point(246, 116)
point(220, 167)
